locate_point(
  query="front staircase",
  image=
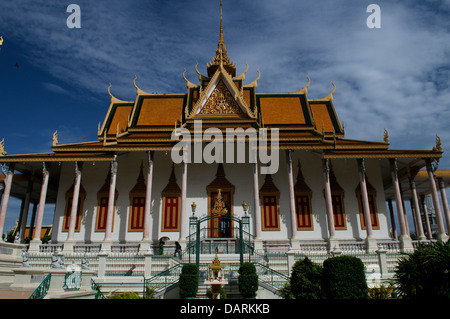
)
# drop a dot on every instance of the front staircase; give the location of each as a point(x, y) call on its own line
point(118, 272)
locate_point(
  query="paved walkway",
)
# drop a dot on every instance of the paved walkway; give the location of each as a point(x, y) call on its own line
point(15, 294)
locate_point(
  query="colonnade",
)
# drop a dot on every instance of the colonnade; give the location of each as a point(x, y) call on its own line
point(371, 244)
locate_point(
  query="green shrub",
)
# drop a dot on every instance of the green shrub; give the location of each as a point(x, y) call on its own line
point(425, 272)
point(382, 292)
point(248, 280)
point(306, 280)
point(188, 283)
point(125, 295)
point(286, 291)
point(344, 278)
point(149, 292)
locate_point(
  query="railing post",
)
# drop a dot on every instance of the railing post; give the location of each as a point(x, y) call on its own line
point(290, 259)
point(102, 256)
point(148, 257)
point(241, 244)
point(382, 262)
point(197, 246)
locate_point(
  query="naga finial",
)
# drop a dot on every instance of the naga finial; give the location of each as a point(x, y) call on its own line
point(386, 136)
point(438, 146)
point(55, 138)
point(2, 148)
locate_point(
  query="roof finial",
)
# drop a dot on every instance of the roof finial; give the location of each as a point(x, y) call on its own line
point(2, 148)
point(221, 54)
point(55, 138)
point(221, 24)
point(386, 136)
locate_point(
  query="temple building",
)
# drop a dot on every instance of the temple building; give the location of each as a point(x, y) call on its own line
point(301, 180)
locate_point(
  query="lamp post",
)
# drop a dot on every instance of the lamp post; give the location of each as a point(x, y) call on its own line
point(245, 227)
point(245, 207)
point(193, 206)
point(192, 231)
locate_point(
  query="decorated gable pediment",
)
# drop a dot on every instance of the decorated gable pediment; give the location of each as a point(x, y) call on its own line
point(221, 102)
point(221, 97)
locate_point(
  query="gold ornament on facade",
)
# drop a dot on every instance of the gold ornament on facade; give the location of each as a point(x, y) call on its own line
point(221, 102)
point(219, 206)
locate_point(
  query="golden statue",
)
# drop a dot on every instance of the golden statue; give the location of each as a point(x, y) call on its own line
point(219, 206)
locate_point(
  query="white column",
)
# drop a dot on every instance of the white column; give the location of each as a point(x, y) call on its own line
point(146, 242)
point(295, 241)
point(6, 193)
point(257, 207)
point(332, 241)
point(405, 240)
point(415, 202)
point(34, 244)
point(68, 244)
point(444, 203)
point(183, 216)
point(107, 242)
point(437, 208)
point(25, 209)
point(371, 242)
point(391, 216)
point(425, 215)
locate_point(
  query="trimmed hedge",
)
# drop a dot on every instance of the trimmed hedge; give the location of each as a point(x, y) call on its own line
point(306, 280)
point(188, 281)
point(125, 295)
point(344, 278)
point(248, 280)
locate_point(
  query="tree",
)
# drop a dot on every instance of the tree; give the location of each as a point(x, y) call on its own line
point(424, 274)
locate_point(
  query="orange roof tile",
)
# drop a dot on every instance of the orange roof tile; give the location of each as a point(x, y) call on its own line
point(281, 110)
point(120, 118)
point(160, 111)
point(321, 115)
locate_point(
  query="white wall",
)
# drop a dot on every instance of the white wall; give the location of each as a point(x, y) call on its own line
point(199, 176)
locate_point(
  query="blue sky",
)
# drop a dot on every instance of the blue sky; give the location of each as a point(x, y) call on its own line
point(395, 77)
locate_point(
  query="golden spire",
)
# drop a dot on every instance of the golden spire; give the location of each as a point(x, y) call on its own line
point(221, 42)
point(221, 54)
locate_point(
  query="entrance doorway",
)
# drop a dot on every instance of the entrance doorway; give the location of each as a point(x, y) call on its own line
point(220, 206)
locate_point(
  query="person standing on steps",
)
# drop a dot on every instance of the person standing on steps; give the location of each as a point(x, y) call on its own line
point(177, 250)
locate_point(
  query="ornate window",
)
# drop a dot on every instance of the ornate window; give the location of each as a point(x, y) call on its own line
point(68, 209)
point(372, 196)
point(337, 201)
point(102, 207)
point(303, 196)
point(171, 199)
point(137, 204)
point(220, 205)
point(270, 209)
